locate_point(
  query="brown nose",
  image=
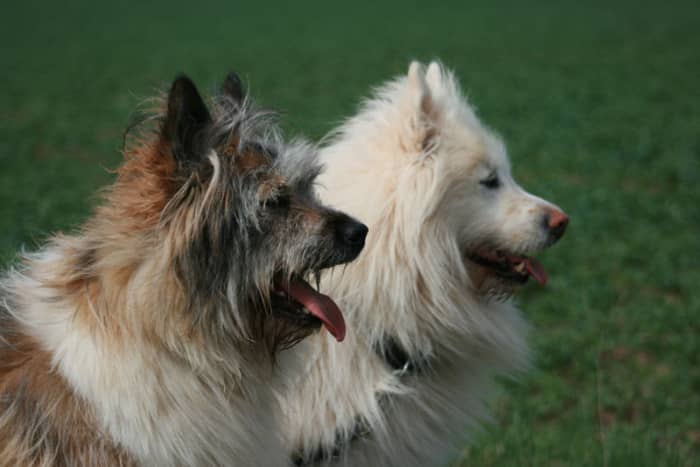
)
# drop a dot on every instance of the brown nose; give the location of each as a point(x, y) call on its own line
point(556, 221)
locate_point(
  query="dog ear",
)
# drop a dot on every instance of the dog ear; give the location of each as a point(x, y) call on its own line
point(433, 76)
point(416, 74)
point(233, 87)
point(426, 107)
point(186, 119)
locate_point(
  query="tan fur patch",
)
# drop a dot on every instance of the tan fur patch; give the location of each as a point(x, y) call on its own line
point(270, 185)
point(145, 183)
point(251, 160)
point(312, 219)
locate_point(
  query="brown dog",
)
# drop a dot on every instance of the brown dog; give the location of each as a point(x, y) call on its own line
point(149, 337)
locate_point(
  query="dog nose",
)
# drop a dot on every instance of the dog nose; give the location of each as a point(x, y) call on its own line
point(348, 238)
point(555, 222)
point(352, 233)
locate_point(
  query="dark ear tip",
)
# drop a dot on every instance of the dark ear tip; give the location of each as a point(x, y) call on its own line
point(233, 86)
point(181, 77)
point(182, 83)
point(186, 111)
point(233, 77)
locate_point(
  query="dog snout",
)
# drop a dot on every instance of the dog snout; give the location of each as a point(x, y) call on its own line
point(555, 222)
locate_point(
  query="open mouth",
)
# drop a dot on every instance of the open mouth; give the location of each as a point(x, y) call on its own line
point(509, 266)
point(313, 303)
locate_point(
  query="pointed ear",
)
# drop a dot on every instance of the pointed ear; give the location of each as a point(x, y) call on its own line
point(416, 77)
point(233, 87)
point(425, 107)
point(433, 76)
point(187, 116)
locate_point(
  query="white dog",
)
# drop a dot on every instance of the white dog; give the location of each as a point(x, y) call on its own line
point(430, 320)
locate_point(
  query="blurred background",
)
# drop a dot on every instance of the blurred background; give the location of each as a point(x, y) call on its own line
point(599, 103)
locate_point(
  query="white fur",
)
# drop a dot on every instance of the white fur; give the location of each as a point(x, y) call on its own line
point(409, 165)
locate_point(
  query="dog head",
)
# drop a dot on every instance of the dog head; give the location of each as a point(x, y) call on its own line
point(234, 207)
point(441, 185)
point(496, 223)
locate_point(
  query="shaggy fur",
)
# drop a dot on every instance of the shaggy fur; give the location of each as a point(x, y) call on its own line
point(150, 336)
point(431, 324)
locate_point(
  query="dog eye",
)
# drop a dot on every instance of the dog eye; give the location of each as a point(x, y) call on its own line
point(281, 201)
point(491, 182)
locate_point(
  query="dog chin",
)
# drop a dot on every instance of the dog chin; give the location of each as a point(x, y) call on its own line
point(489, 285)
point(498, 273)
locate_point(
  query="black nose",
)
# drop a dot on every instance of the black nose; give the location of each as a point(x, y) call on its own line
point(349, 239)
point(352, 233)
point(555, 221)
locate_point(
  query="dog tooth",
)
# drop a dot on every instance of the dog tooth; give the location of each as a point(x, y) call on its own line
point(520, 267)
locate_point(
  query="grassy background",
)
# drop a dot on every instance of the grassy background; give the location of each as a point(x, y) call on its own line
point(599, 105)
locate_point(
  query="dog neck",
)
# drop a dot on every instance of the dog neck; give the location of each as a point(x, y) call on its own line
point(359, 430)
point(404, 364)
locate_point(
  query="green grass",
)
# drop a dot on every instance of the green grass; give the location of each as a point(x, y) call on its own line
point(600, 105)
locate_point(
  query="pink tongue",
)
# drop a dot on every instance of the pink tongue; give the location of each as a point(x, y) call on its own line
point(535, 269)
point(321, 306)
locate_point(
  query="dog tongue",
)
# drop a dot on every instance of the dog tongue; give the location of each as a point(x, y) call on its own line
point(535, 269)
point(320, 305)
